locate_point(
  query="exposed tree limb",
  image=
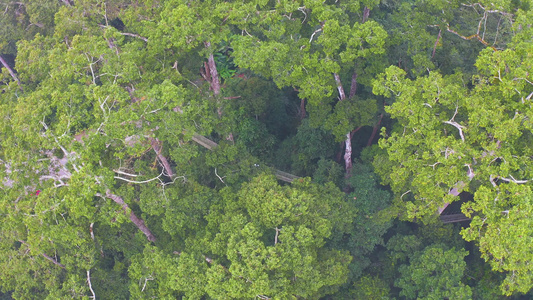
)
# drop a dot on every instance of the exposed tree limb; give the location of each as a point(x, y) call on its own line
point(456, 125)
point(139, 182)
point(342, 95)
point(90, 285)
point(436, 43)
point(353, 86)
point(348, 154)
point(215, 81)
point(512, 179)
point(366, 14)
point(135, 35)
point(156, 145)
point(55, 262)
point(303, 113)
point(374, 131)
point(11, 72)
point(348, 141)
point(136, 220)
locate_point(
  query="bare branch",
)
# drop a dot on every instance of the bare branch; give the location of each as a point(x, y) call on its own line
point(366, 14)
point(156, 145)
point(136, 220)
point(313, 35)
point(135, 35)
point(456, 125)
point(140, 182)
point(55, 262)
point(11, 72)
point(220, 178)
point(512, 179)
point(342, 95)
point(436, 43)
point(491, 179)
point(213, 73)
point(67, 154)
point(276, 237)
point(124, 173)
point(353, 87)
point(90, 285)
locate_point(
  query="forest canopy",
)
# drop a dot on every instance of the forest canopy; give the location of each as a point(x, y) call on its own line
point(266, 149)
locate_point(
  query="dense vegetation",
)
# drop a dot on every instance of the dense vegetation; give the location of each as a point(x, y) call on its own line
point(144, 145)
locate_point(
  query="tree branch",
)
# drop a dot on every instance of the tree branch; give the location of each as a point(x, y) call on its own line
point(348, 141)
point(139, 182)
point(353, 87)
point(456, 125)
point(156, 145)
point(436, 43)
point(374, 131)
point(55, 262)
point(215, 81)
point(512, 179)
point(136, 220)
point(366, 14)
point(11, 72)
point(135, 35)
point(90, 285)
point(342, 95)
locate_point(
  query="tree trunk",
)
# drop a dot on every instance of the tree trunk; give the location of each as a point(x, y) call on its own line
point(374, 131)
point(213, 73)
point(136, 220)
point(342, 95)
point(353, 87)
point(348, 155)
point(366, 14)
point(302, 109)
point(435, 46)
point(348, 141)
point(11, 72)
point(215, 83)
point(156, 145)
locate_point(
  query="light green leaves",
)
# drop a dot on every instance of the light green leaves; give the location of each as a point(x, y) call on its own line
point(435, 273)
point(453, 138)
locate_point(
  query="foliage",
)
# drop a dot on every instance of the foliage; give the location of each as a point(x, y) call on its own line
point(435, 273)
point(452, 138)
point(137, 141)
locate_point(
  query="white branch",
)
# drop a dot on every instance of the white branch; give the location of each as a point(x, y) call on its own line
point(312, 35)
point(91, 230)
point(140, 182)
point(90, 285)
point(124, 173)
point(67, 154)
point(458, 126)
point(219, 176)
point(513, 180)
point(405, 194)
point(491, 179)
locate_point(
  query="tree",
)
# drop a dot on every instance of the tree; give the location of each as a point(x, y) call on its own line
point(434, 273)
point(92, 122)
point(450, 138)
point(261, 241)
point(311, 47)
